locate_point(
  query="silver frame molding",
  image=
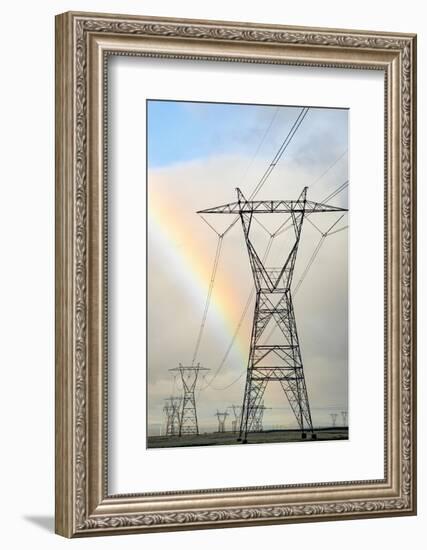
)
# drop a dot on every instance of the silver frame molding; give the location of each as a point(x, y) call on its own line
point(83, 43)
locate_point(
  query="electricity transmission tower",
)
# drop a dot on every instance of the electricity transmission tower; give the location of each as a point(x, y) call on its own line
point(257, 418)
point(171, 410)
point(188, 417)
point(344, 417)
point(257, 415)
point(280, 362)
point(334, 417)
point(221, 420)
point(236, 412)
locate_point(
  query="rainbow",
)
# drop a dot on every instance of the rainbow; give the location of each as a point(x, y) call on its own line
point(170, 231)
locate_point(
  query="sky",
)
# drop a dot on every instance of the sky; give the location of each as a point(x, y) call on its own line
point(198, 153)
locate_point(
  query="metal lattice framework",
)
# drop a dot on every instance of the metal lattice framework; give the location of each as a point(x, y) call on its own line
point(172, 413)
point(256, 420)
point(188, 423)
point(222, 416)
point(280, 362)
point(344, 415)
point(257, 415)
point(237, 411)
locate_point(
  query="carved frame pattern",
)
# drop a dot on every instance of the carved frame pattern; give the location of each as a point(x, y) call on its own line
point(83, 510)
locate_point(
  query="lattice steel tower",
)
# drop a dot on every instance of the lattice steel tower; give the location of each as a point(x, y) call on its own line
point(188, 423)
point(222, 416)
point(172, 413)
point(256, 418)
point(280, 362)
point(236, 413)
point(344, 415)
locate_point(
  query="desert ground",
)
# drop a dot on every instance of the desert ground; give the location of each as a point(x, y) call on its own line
point(230, 438)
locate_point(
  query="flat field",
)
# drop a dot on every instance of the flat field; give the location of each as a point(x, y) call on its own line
point(230, 438)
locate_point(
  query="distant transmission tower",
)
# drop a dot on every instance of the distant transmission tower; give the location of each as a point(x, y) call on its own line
point(258, 415)
point(344, 415)
point(172, 412)
point(188, 417)
point(278, 362)
point(236, 412)
point(221, 420)
point(334, 417)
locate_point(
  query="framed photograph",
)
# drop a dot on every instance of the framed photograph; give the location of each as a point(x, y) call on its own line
point(235, 274)
point(266, 400)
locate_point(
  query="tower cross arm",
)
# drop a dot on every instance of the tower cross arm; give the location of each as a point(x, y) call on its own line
point(272, 207)
point(188, 368)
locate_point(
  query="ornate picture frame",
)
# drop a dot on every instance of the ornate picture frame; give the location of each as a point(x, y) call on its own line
point(84, 506)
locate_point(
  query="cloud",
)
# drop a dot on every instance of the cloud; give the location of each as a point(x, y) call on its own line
point(181, 252)
point(182, 131)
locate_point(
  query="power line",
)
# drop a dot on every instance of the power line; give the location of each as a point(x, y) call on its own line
point(210, 225)
point(315, 253)
point(297, 123)
point(208, 298)
point(320, 242)
point(260, 144)
point(260, 184)
point(303, 276)
point(288, 370)
point(301, 280)
point(318, 246)
point(280, 152)
point(220, 236)
point(314, 225)
point(278, 230)
point(309, 263)
point(327, 233)
point(334, 193)
point(231, 383)
point(262, 225)
point(239, 325)
point(338, 230)
point(284, 145)
point(329, 168)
